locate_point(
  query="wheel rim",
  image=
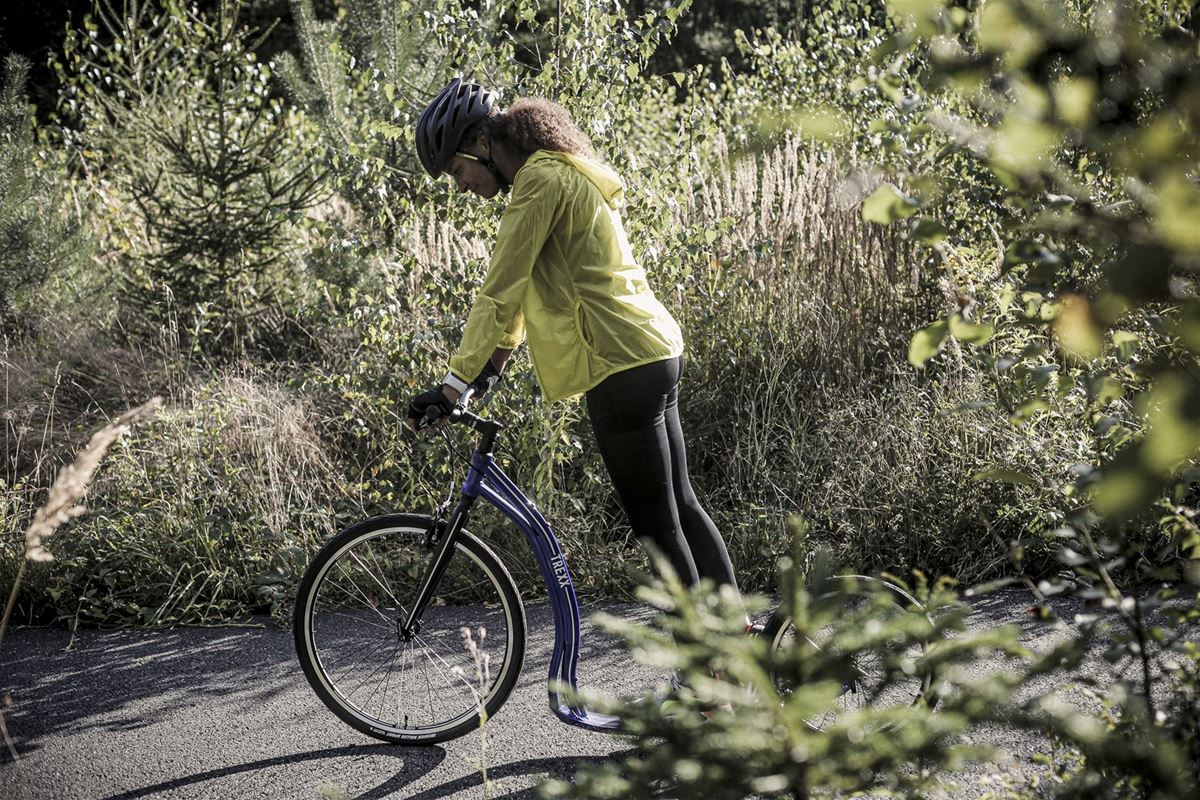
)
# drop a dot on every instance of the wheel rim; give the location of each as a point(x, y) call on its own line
point(865, 681)
point(418, 686)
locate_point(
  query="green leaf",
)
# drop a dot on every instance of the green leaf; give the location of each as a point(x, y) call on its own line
point(886, 205)
point(928, 230)
point(1076, 329)
point(386, 130)
point(919, 13)
point(969, 332)
point(824, 124)
point(1004, 29)
point(926, 342)
point(1177, 216)
point(1023, 145)
point(1126, 344)
point(1187, 327)
point(1122, 492)
point(1173, 435)
point(1074, 99)
point(1104, 389)
point(1028, 409)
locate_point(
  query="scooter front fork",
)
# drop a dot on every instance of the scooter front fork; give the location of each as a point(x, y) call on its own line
point(443, 550)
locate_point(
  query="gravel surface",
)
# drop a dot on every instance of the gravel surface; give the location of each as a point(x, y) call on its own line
point(226, 713)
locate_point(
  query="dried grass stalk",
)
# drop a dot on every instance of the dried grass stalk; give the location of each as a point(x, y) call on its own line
point(68, 490)
point(63, 502)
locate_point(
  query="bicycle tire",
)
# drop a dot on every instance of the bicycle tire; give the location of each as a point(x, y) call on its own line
point(347, 608)
point(913, 692)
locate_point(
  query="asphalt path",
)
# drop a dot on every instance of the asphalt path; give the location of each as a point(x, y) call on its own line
point(226, 713)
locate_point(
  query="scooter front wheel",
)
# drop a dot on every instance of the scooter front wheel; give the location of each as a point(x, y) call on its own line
point(434, 684)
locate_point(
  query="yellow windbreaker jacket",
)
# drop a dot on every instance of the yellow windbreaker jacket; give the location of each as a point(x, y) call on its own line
point(562, 275)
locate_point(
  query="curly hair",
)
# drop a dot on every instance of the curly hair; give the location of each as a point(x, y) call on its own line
point(532, 124)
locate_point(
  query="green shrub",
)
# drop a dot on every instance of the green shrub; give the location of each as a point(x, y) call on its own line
point(1085, 325)
point(36, 236)
point(202, 172)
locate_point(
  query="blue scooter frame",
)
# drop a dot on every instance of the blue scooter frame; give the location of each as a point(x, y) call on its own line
point(485, 479)
point(488, 481)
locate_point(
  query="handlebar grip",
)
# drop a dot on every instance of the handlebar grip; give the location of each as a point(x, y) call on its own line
point(434, 413)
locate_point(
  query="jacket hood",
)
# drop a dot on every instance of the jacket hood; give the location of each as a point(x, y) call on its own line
point(602, 175)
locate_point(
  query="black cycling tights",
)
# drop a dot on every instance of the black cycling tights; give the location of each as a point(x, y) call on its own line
point(635, 417)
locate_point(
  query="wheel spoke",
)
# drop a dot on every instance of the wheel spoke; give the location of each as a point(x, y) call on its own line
point(370, 675)
point(366, 653)
point(430, 656)
point(376, 625)
point(426, 682)
point(351, 651)
point(361, 594)
point(378, 582)
point(387, 679)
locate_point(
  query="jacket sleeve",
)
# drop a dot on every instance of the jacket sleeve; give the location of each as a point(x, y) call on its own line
point(514, 334)
point(495, 319)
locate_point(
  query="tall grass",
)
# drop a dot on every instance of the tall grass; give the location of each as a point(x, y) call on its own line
point(796, 400)
point(209, 511)
point(64, 501)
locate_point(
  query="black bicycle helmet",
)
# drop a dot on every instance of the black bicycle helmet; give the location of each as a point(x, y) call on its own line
point(441, 126)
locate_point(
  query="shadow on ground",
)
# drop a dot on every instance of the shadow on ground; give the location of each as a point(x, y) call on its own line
point(88, 686)
point(415, 763)
point(123, 680)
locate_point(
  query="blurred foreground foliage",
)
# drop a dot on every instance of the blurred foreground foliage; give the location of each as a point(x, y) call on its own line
point(786, 726)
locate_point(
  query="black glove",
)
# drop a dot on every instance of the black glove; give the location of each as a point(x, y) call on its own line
point(488, 378)
point(419, 407)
